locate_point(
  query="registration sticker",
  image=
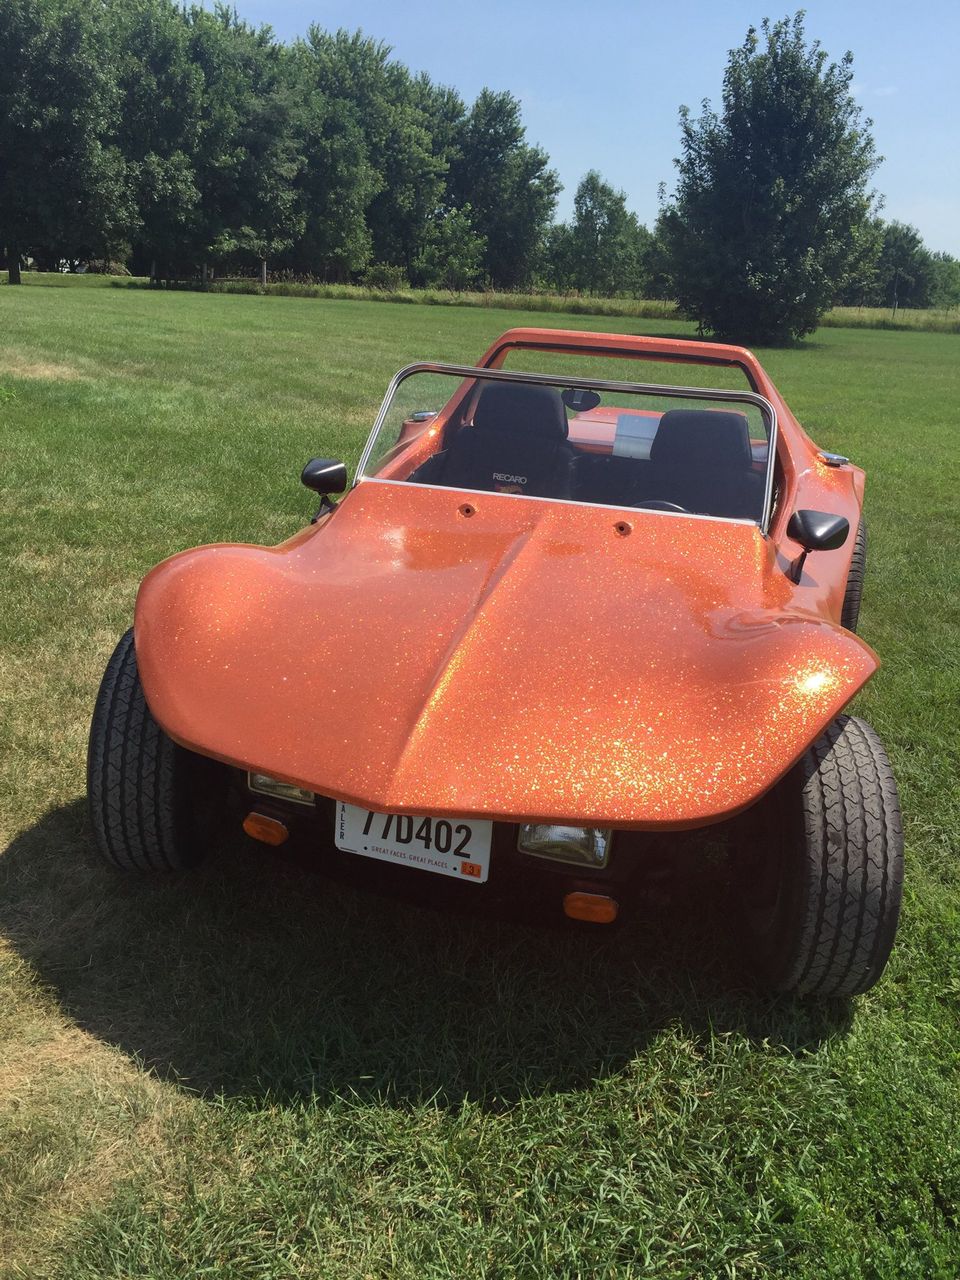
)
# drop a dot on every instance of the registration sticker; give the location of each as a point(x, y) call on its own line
point(457, 847)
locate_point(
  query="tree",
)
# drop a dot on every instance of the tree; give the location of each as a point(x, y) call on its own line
point(605, 250)
point(658, 270)
point(556, 257)
point(159, 123)
point(607, 241)
point(906, 274)
point(337, 180)
point(249, 153)
point(453, 255)
point(443, 112)
point(508, 185)
point(859, 286)
point(394, 114)
point(946, 289)
point(63, 185)
point(772, 210)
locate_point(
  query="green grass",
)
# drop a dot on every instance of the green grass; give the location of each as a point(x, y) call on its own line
point(254, 1071)
point(930, 320)
point(71, 280)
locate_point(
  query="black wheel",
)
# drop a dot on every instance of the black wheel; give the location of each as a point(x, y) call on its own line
point(822, 868)
point(146, 795)
point(858, 568)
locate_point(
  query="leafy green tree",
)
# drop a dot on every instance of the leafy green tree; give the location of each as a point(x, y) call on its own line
point(159, 123)
point(443, 112)
point(905, 274)
point(946, 288)
point(640, 262)
point(337, 180)
point(657, 268)
point(507, 184)
point(556, 257)
point(453, 255)
point(605, 250)
point(606, 242)
point(859, 287)
point(63, 185)
point(771, 212)
point(249, 153)
point(394, 114)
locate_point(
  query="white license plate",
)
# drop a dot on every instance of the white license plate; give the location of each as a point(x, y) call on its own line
point(447, 846)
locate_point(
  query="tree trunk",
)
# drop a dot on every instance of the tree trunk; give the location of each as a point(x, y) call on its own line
point(13, 265)
point(203, 277)
point(153, 271)
point(263, 272)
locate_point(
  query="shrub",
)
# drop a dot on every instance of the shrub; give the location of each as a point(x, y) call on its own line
point(104, 267)
point(385, 277)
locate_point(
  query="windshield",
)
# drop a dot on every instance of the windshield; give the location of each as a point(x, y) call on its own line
point(684, 450)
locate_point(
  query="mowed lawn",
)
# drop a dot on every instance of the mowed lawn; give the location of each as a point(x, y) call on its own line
point(255, 1071)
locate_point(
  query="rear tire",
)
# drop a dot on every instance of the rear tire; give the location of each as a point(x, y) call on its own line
point(850, 613)
point(823, 868)
point(142, 789)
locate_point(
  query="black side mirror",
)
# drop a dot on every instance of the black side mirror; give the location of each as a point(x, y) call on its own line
point(816, 531)
point(323, 475)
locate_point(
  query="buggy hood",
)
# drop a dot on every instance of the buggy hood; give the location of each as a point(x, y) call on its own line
point(429, 651)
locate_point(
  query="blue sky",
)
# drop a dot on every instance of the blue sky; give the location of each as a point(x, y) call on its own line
point(600, 81)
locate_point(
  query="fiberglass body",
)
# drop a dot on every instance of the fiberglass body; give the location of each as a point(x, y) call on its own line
point(428, 650)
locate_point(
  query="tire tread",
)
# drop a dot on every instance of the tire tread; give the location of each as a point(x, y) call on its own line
point(133, 783)
point(854, 855)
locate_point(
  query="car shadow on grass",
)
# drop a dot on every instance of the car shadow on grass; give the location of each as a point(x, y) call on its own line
point(260, 978)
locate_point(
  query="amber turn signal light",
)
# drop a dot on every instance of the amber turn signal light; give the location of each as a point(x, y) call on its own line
point(266, 830)
point(595, 907)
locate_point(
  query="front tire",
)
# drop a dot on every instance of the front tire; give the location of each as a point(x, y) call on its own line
point(824, 868)
point(142, 789)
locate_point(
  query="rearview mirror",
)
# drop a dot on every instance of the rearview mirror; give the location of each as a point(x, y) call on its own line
point(579, 399)
point(324, 475)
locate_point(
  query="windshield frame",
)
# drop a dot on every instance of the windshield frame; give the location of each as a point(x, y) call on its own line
point(768, 412)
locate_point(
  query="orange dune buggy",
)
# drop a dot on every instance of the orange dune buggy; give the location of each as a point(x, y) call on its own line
point(561, 624)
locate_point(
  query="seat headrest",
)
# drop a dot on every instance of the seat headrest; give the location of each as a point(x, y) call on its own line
point(703, 438)
point(523, 409)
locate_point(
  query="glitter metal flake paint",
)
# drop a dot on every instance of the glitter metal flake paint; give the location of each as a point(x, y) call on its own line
point(576, 629)
point(527, 661)
point(530, 660)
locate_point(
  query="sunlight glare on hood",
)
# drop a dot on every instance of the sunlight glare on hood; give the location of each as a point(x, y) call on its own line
point(815, 682)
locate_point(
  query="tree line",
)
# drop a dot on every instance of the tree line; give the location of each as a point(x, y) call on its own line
point(180, 141)
point(903, 272)
point(140, 130)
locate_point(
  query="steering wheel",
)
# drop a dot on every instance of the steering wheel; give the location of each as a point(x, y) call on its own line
point(658, 504)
